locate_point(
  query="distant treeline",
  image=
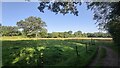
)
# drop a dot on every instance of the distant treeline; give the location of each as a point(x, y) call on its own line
point(15, 31)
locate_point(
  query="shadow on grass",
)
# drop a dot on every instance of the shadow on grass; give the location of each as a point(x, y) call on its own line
point(45, 53)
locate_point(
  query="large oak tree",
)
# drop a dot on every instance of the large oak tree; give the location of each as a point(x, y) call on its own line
point(32, 25)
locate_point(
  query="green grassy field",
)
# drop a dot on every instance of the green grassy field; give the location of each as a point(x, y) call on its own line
point(49, 52)
point(54, 53)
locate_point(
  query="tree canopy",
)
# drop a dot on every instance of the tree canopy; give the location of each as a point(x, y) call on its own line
point(9, 31)
point(14, 31)
point(31, 25)
point(60, 7)
point(106, 14)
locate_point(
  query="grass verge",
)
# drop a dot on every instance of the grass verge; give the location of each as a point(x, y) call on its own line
point(102, 54)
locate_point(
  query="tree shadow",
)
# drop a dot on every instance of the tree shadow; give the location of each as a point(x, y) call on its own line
point(29, 53)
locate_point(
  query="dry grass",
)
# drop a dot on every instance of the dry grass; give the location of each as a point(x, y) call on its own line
point(21, 38)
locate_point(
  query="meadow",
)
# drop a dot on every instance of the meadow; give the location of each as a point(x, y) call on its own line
point(48, 52)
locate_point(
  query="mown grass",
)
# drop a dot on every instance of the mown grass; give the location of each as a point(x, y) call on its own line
point(55, 53)
point(102, 54)
point(115, 48)
point(109, 44)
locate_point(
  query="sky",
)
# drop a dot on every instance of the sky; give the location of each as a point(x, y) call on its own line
point(12, 12)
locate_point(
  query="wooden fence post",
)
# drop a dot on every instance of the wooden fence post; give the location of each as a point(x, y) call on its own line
point(91, 41)
point(86, 47)
point(76, 51)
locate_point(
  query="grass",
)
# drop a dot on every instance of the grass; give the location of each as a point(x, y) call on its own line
point(115, 48)
point(19, 51)
point(55, 53)
point(110, 44)
point(0, 54)
point(24, 38)
point(102, 53)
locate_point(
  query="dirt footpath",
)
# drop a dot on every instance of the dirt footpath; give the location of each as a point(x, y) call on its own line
point(111, 58)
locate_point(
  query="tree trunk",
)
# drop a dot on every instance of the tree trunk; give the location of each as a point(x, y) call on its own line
point(36, 35)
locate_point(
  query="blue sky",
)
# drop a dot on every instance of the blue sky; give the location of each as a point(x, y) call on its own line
point(16, 11)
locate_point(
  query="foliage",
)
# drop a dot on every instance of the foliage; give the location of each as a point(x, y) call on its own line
point(9, 31)
point(108, 17)
point(43, 33)
point(104, 14)
point(31, 26)
point(114, 29)
point(55, 53)
point(60, 7)
point(78, 34)
point(98, 34)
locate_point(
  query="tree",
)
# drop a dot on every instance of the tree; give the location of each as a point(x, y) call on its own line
point(43, 33)
point(60, 7)
point(84, 35)
point(0, 29)
point(106, 14)
point(108, 17)
point(9, 31)
point(70, 33)
point(114, 29)
point(78, 34)
point(61, 34)
point(66, 35)
point(49, 35)
point(31, 26)
point(55, 34)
